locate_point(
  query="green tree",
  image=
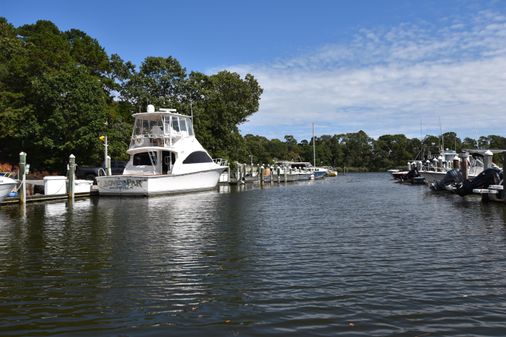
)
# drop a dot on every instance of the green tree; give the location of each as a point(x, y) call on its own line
point(469, 143)
point(357, 149)
point(451, 141)
point(46, 49)
point(71, 114)
point(258, 147)
point(278, 150)
point(293, 150)
point(14, 110)
point(87, 51)
point(392, 151)
point(160, 81)
point(223, 101)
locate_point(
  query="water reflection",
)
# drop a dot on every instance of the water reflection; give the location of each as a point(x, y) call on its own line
point(295, 259)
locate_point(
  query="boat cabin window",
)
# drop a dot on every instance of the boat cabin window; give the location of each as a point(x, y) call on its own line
point(175, 124)
point(138, 127)
point(144, 158)
point(197, 157)
point(145, 126)
point(189, 126)
point(182, 124)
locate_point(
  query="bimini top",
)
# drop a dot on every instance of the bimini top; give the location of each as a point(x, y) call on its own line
point(161, 128)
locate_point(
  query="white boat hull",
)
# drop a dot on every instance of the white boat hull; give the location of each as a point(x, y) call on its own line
point(6, 186)
point(432, 176)
point(142, 185)
point(225, 177)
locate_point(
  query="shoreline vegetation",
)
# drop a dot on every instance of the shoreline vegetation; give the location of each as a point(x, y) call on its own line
point(60, 91)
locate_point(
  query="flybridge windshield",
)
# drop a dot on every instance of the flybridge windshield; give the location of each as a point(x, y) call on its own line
point(159, 126)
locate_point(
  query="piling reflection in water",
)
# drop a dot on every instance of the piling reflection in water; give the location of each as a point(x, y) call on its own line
point(353, 254)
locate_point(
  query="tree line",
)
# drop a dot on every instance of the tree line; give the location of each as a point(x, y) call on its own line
point(357, 151)
point(60, 90)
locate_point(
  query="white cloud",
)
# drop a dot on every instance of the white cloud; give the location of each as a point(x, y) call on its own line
point(387, 81)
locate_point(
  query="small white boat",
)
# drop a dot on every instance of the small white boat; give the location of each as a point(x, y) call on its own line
point(436, 170)
point(295, 171)
point(225, 176)
point(165, 157)
point(6, 186)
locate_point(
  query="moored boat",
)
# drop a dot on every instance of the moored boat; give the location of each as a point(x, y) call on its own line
point(449, 175)
point(6, 186)
point(332, 173)
point(295, 171)
point(437, 169)
point(165, 157)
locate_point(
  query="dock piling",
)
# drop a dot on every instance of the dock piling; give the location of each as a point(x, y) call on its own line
point(108, 166)
point(71, 176)
point(456, 163)
point(22, 175)
point(487, 159)
point(464, 165)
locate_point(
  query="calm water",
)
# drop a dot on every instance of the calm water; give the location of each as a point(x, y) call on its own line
point(356, 255)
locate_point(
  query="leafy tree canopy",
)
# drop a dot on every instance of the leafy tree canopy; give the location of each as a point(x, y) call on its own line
point(60, 90)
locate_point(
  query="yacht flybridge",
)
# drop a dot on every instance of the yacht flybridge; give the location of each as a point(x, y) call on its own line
point(165, 157)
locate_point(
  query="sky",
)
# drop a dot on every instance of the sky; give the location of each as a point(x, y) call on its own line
point(381, 66)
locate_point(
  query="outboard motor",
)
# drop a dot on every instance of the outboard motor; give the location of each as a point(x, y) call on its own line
point(490, 176)
point(452, 177)
point(412, 173)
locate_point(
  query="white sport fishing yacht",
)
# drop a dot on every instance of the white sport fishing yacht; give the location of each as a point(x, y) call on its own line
point(165, 157)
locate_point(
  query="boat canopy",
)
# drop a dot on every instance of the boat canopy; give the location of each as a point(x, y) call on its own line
point(162, 124)
point(160, 129)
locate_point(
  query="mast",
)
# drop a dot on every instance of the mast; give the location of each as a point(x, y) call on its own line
point(442, 137)
point(314, 149)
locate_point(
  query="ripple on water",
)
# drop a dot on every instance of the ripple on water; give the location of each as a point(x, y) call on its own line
point(355, 255)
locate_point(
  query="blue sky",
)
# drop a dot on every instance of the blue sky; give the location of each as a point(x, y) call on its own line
point(378, 66)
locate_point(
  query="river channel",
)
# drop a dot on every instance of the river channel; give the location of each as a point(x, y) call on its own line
point(354, 255)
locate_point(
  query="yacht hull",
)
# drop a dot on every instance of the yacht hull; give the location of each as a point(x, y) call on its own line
point(141, 185)
point(6, 186)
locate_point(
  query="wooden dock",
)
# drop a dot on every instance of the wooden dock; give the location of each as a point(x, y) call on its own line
point(54, 197)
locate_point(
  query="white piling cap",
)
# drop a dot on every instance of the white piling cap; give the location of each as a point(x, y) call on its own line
point(488, 153)
point(151, 108)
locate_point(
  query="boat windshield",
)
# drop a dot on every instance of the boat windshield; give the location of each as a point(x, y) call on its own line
point(148, 126)
point(158, 126)
point(160, 129)
point(178, 125)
